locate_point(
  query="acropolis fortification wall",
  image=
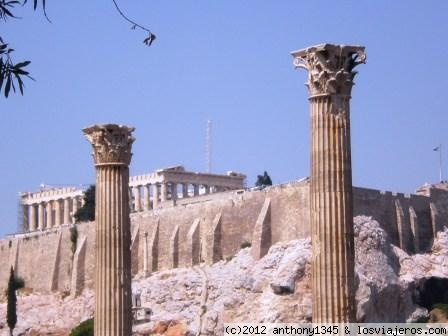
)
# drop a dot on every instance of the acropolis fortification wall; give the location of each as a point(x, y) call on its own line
point(213, 227)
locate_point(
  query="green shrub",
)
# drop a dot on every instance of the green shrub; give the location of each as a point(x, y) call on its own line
point(11, 306)
point(245, 243)
point(19, 283)
point(74, 237)
point(85, 328)
point(87, 211)
point(442, 306)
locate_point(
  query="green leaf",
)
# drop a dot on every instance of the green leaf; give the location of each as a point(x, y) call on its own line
point(8, 86)
point(7, 12)
point(22, 64)
point(12, 84)
point(20, 72)
point(19, 80)
point(2, 78)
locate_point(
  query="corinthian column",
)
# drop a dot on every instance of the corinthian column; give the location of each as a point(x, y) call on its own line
point(112, 155)
point(330, 80)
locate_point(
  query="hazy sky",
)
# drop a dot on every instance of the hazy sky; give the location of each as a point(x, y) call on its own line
point(228, 61)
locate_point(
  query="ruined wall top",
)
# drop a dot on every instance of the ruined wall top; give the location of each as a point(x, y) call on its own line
point(111, 144)
point(178, 174)
point(50, 195)
point(428, 189)
point(330, 67)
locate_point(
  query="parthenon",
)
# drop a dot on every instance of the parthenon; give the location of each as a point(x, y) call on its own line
point(46, 209)
point(51, 208)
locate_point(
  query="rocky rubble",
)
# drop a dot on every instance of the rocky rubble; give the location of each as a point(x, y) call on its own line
point(273, 289)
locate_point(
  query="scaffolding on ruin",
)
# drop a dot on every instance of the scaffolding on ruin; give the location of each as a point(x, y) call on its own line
point(22, 217)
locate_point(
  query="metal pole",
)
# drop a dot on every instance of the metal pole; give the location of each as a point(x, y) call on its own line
point(440, 163)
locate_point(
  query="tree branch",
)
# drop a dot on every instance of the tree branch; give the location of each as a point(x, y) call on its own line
point(151, 37)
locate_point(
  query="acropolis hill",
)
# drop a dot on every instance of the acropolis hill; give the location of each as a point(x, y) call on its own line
point(176, 241)
point(201, 224)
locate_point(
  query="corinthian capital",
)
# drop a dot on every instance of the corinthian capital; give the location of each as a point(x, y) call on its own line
point(330, 67)
point(111, 144)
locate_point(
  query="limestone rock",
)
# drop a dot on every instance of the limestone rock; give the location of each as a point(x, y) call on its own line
point(241, 290)
point(291, 267)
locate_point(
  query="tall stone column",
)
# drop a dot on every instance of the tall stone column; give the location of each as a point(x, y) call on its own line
point(184, 190)
point(57, 212)
point(112, 155)
point(49, 210)
point(163, 192)
point(137, 200)
point(40, 216)
point(66, 219)
point(330, 80)
point(146, 197)
point(155, 195)
point(32, 217)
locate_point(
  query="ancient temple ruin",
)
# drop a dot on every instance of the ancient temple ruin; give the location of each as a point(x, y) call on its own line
point(330, 80)
point(163, 188)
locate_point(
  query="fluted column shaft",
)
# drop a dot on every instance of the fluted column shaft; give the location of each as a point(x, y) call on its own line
point(163, 192)
point(113, 296)
point(112, 278)
point(331, 211)
point(137, 201)
point(40, 216)
point(66, 216)
point(155, 195)
point(146, 204)
point(330, 80)
point(32, 217)
point(57, 212)
point(49, 210)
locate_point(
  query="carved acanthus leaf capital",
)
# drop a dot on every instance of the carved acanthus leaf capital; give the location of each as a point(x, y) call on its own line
point(111, 143)
point(330, 67)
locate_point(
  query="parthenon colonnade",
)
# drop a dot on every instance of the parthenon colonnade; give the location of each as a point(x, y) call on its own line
point(112, 154)
point(149, 191)
point(50, 208)
point(330, 80)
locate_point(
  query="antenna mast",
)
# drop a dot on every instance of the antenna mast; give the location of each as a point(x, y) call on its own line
point(208, 147)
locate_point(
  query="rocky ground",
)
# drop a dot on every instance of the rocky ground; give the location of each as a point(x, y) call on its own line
point(273, 289)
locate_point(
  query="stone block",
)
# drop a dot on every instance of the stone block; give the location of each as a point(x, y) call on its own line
point(174, 248)
point(214, 249)
point(193, 242)
point(78, 271)
point(261, 237)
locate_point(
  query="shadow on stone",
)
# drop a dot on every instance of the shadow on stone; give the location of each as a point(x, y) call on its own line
point(429, 291)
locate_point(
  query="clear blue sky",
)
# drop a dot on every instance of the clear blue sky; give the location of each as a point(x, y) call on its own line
point(227, 61)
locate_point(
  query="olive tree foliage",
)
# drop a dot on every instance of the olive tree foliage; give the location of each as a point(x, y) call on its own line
point(87, 211)
point(263, 180)
point(12, 74)
point(14, 283)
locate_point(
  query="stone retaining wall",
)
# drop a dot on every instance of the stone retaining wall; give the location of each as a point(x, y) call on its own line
point(213, 228)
